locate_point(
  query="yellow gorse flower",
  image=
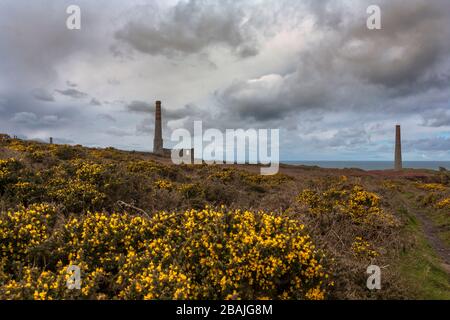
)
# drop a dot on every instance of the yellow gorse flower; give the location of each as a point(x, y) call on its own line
point(196, 254)
point(443, 204)
point(360, 205)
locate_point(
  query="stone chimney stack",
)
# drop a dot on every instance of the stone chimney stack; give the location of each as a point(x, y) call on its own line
point(51, 140)
point(158, 140)
point(398, 149)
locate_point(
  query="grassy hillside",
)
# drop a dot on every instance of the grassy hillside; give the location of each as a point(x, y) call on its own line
point(142, 228)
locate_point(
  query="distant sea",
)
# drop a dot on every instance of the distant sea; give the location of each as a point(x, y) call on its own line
point(373, 165)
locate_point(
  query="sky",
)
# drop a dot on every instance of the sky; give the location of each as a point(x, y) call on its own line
point(310, 68)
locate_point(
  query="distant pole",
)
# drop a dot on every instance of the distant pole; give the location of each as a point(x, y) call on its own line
point(398, 149)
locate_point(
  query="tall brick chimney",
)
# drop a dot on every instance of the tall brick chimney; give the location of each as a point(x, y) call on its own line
point(398, 149)
point(158, 140)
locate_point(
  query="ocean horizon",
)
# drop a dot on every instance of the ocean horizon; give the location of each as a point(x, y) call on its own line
point(372, 165)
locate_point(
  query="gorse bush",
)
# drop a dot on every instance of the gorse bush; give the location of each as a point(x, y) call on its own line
point(81, 179)
point(362, 247)
point(443, 204)
point(8, 172)
point(431, 186)
point(196, 254)
point(79, 186)
point(23, 231)
point(361, 206)
point(436, 195)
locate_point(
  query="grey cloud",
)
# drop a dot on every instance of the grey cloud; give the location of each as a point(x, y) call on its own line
point(351, 68)
point(276, 96)
point(186, 115)
point(16, 103)
point(34, 39)
point(50, 120)
point(349, 137)
point(430, 144)
point(114, 131)
point(188, 110)
point(95, 102)
point(121, 53)
point(437, 119)
point(32, 120)
point(140, 107)
point(37, 51)
point(43, 95)
point(408, 51)
point(113, 82)
point(337, 74)
point(73, 93)
point(146, 126)
point(168, 113)
point(71, 84)
point(27, 118)
point(190, 27)
point(106, 117)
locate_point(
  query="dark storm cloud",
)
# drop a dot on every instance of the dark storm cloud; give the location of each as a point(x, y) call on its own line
point(73, 93)
point(275, 96)
point(140, 107)
point(312, 68)
point(408, 51)
point(190, 27)
point(352, 68)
